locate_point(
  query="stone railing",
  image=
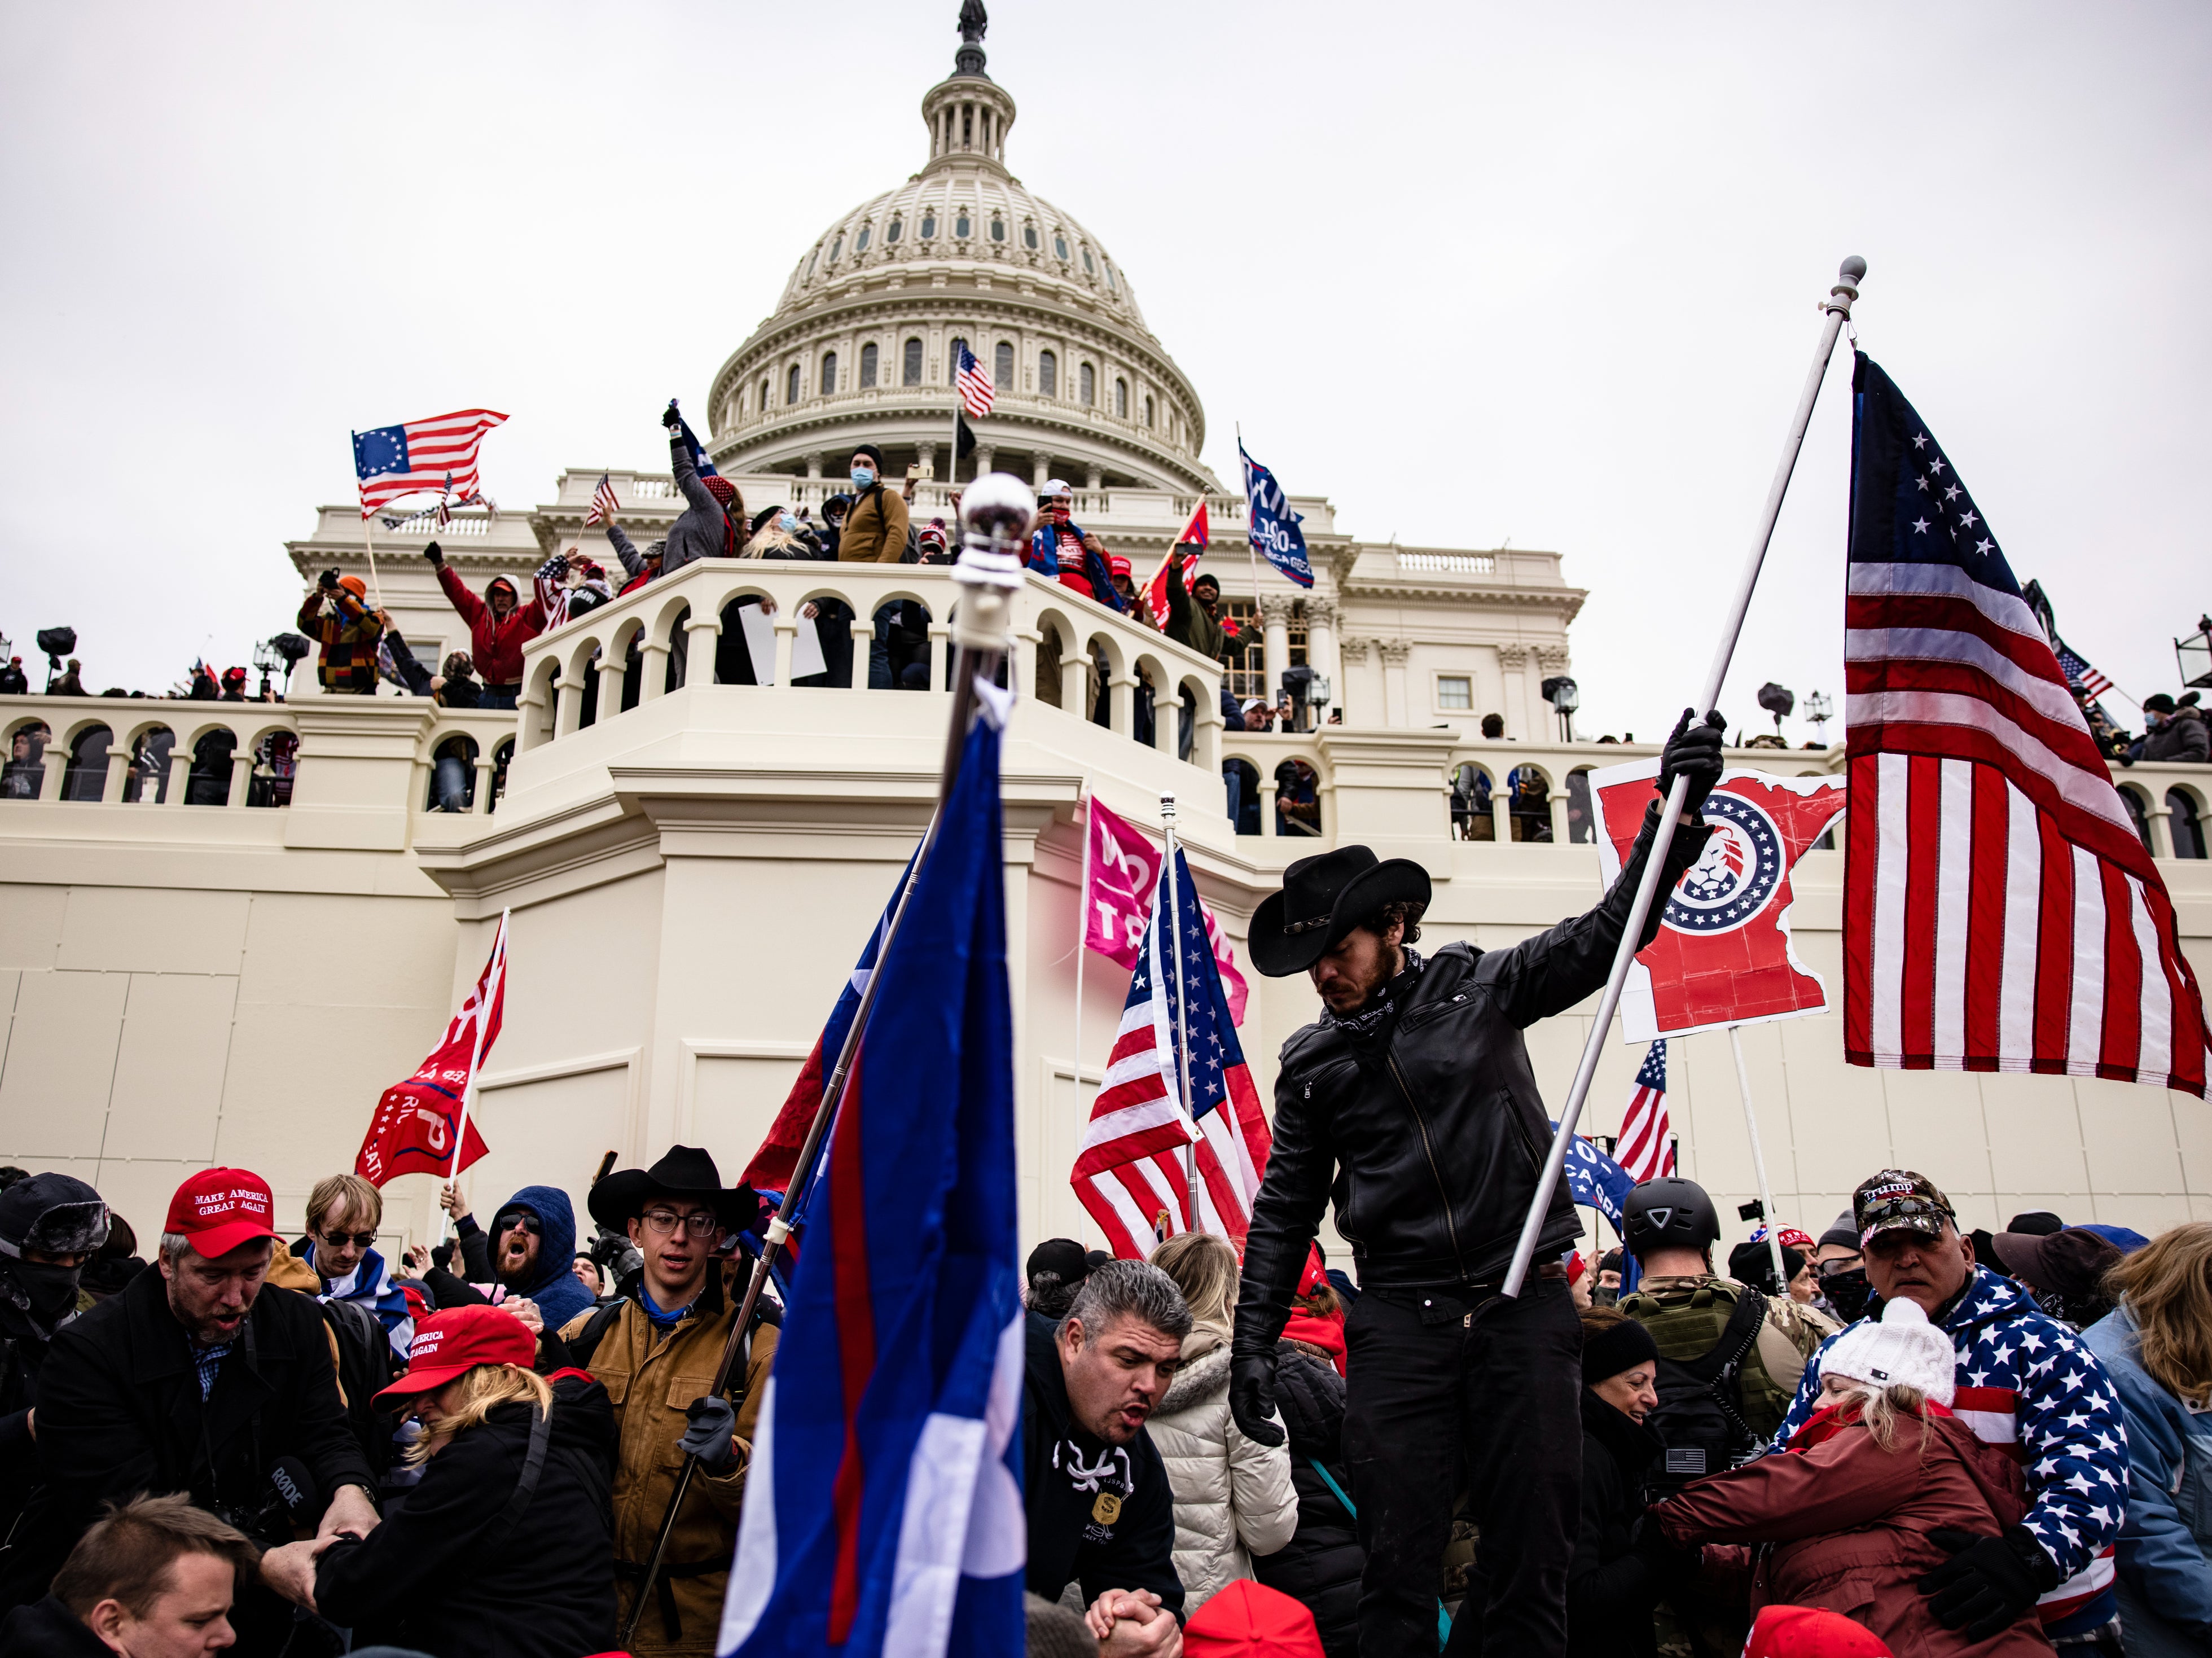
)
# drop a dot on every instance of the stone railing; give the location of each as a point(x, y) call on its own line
point(675, 633)
point(1453, 563)
point(372, 753)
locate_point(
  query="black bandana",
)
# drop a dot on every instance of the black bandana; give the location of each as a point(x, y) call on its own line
point(1381, 1007)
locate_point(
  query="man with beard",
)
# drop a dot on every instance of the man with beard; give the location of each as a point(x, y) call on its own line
point(657, 1349)
point(1100, 1510)
point(50, 1224)
point(526, 1256)
point(1411, 1102)
point(196, 1378)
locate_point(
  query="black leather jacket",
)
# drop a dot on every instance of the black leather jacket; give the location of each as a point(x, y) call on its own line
point(1429, 1140)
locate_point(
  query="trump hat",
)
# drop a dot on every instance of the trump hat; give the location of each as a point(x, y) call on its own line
point(452, 1343)
point(219, 1209)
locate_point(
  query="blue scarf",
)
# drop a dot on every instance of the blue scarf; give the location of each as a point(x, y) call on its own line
point(664, 1320)
point(371, 1283)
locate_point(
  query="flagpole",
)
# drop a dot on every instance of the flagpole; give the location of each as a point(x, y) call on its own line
point(996, 519)
point(1182, 1015)
point(1252, 556)
point(475, 1064)
point(1758, 1161)
point(1082, 932)
point(1837, 308)
point(369, 542)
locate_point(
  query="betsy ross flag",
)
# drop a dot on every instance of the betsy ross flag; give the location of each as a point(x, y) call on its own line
point(1645, 1149)
point(412, 1132)
point(604, 504)
point(1131, 1172)
point(973, 384)
point(883, 1508)
point(418, 457)
point(2000, 912)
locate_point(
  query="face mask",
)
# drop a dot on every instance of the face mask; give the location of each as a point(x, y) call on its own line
point(1060, 514)
point(862, 477)
point(1847, 1292)
point(44, 1291)
point(786, 523)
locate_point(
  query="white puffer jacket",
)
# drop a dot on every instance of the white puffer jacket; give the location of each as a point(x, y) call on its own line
point(1233, 1498)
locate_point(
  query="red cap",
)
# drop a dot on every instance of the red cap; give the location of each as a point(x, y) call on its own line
point(1249, 1620)
point(219, 1209)
point(1315, 1276)
point(1810, 1632)
point(1791, 1238)
point(454, 1342)
point(1116, 565)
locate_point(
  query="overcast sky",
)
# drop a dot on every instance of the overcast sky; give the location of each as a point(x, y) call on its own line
point(1474, 272)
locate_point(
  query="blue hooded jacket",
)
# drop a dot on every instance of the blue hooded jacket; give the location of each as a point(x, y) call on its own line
point(559, 1297)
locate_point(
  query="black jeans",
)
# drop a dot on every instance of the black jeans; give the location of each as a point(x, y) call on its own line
point(1484, 1387)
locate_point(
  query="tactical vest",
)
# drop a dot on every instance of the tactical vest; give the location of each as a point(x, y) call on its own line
point(1716, 1402)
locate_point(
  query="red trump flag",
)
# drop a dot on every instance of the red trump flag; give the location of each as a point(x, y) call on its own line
point(414, 1130)
point(1722, 956)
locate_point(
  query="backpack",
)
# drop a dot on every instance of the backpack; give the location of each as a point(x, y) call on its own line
point(1716, 1402)
point(366, 1363)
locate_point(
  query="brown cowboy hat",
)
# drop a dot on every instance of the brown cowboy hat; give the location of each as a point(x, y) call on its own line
point(1323, 898)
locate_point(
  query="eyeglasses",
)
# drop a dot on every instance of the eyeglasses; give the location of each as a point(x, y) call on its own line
point(700, 1223)
point(1838, 1263)
point(339, 1240)
point(529, 1224)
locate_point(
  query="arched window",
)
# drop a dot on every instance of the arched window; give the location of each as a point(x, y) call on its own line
point(790, 390)
point(960, 225)
point(1121, 398)
point(1089, 268)
point(1148, 411)
point(87, 776)
point(898, 229)
point(998, 229)
point(911, 369)
point(870, 358)
point(1030, 237)
point(2133, 801)
point(1059, 246)
point(836, 247)
point(1048, 374)
point(813, 259)
point(2184, 825)
point(1086, 386)
point(1002, 366)
point(1241, 778)
point(861, 241)
point(1112, 286)
point(952, 359)
point(764, 396)
point(828, 373)
point(928, 226)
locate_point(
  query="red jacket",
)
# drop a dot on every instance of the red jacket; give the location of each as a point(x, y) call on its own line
point(1850, 1520)
point(495, 646)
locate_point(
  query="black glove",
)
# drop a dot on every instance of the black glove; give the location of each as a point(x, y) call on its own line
point(434, 553)
point(1694, 751)
point(670, 419)
point(1252, 1396)
point(713, 1420)
point(1668, 1562)
point(1988, 1582)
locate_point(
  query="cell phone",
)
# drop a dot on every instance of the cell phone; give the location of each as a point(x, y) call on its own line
point(914, 471)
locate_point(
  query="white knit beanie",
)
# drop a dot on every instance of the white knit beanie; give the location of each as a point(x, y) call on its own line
point(1904, 1348)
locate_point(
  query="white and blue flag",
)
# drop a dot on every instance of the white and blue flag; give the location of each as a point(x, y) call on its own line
point(1274, 527)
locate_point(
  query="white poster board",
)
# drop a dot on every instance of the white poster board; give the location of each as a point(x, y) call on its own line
point(806, 656)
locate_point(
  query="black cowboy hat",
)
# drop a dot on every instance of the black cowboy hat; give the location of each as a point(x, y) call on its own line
point(685, 1171)
point(1323, 898)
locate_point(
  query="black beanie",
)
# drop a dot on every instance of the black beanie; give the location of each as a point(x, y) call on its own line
point(1622, 1347)
point(873, 453)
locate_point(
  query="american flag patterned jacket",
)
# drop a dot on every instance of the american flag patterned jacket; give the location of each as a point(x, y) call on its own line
point(2025, 1382)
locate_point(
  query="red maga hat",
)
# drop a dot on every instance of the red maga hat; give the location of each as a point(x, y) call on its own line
point(1811, 1632)
point(454, 1342)
point(220, 1209)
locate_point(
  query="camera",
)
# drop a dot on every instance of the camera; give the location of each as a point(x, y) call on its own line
point(327, 581)
point(291, 1505)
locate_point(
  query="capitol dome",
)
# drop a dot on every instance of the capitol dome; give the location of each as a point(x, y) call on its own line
point(861, 346)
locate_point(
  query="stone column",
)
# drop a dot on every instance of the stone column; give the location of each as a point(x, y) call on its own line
point(607, 694)
point(787, 639)
point(926, 454)
point(864, 634)
point(568, 705)
point(1075, 683)
point(814, 465)
point(1266, 805)
point(119, 767)
point(1396, 709)
point(1040, 466)
point(1558, 804)
point(2159, 819)
point(56, 761)
point(1275, 631)
point(1550, 661)
point(652, 678)
point(699, 637)
point(1094, 478)
point(1513, 662)
point(1351, 652)
point(1321, 643)
point(242, 773)
point(1122, 710)
point(983, 453)
point(486, 769)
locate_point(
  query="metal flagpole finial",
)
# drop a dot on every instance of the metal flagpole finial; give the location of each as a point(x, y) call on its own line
point(1167, 808)
point(1849, 275)
point(996, 512)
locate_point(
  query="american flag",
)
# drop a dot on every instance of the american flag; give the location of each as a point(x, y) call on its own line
point(604, 504)
point(973, 384)
point(1646, 1147)
point(2078, 672)
point(2000, 912)
point(436, 456)
point(1130, 1172)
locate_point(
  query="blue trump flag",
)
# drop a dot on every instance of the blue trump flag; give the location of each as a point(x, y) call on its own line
point(700, 464)
point(1274, 532)
point(1595, 1180)
point(883, 1510)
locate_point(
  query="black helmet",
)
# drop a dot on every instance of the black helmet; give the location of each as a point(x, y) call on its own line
point(1669, 1213)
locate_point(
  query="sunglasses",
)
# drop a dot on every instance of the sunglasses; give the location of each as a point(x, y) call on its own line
point(339, 1240)
point(529, 1224)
